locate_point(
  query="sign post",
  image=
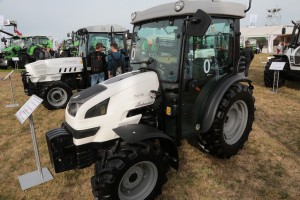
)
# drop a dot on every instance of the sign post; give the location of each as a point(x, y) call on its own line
point(14, 104)
point(16, 60)
point(276, 67)
point(42, 175)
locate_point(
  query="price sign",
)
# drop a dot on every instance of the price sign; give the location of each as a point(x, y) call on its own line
point(28, 108)
point(277, 66)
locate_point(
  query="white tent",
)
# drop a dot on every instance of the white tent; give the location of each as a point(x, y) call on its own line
point(268, 32)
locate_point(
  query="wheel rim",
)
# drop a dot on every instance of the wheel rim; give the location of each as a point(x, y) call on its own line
point(57, 96)
point(235, 122)
point(138, 182)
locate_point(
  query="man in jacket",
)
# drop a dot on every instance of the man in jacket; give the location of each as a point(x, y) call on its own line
point(249, 55)
point(116, 61)
point(97, 65)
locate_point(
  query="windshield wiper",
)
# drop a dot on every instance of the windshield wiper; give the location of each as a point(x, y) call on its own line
point(147, 62)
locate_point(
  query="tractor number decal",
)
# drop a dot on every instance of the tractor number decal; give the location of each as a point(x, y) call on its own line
point(133, 54)
point(206, 66)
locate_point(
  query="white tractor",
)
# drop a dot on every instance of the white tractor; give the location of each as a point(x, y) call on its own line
point(291, 58)
point(54, 79)
point(130, 126)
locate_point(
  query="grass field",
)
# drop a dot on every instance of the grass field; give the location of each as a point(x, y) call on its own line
point(267, 168)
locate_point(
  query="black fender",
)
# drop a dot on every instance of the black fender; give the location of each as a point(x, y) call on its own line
point(30, 59)
point(134, 133)
point(216, 95)
point(282, 58)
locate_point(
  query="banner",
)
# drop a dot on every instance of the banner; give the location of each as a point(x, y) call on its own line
point(253, 20)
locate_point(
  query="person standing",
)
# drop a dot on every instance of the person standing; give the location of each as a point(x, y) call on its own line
point(98, 63)
point(280, 48)
point(261, 45)
point(116, 61)
point(249, 55)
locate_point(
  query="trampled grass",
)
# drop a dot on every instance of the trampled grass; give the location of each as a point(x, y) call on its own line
point(267, 167)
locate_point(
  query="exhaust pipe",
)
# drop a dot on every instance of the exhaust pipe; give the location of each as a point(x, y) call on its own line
point(250, 1)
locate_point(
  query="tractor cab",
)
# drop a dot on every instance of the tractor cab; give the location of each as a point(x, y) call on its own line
point(90, 36)
point(193, 53)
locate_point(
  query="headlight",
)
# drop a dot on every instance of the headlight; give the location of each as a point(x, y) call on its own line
point(179, 6)
point(97, 110)
point(73, 108)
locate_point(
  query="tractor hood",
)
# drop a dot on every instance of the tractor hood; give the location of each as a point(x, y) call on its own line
point(42, 70)
point(115, 97)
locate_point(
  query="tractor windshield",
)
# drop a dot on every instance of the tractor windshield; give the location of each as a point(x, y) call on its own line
point(88, 42)
point(17, 42)
point(160, 40)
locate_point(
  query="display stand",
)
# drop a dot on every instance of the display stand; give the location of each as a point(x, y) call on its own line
point(14, 104)
point(42, 175)
point(16, 61)
point(276, 67)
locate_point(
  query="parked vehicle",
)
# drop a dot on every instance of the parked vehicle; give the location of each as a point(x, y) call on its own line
point(291, 58)
point(27, 49)
point(54, 80)
point(130, 126)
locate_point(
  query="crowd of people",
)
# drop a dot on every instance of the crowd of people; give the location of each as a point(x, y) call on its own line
point(103, 67)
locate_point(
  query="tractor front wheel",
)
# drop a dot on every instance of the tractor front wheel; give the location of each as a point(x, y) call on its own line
point(136, 171)
point(56, 95)
point(232, 124)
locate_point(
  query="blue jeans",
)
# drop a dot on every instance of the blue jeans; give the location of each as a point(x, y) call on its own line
point(97, 78)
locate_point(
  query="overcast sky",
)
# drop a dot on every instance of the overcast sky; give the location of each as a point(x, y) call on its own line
point(57, 17)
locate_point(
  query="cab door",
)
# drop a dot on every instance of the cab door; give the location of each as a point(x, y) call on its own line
point(208, 58)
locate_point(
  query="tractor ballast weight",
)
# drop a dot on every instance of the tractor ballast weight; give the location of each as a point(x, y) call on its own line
point(187, 82)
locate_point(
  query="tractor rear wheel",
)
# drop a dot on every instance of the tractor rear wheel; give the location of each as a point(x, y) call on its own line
point(56, 95)
point(38, 54)
point(232, 124)
point(269, 76)
point(135, 172)
point(24, 60)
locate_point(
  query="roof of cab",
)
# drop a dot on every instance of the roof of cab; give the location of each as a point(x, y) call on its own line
point(105, 28)
point(213, 8)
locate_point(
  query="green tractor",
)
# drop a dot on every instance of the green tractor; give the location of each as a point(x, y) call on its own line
point(11, 50)
point(69, 47)
point(27, 49)
point(34, 49)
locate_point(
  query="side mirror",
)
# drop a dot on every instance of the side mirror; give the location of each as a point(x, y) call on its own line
point(3, 39)
point(283, 30)
point(129, 36)
point(68, 34)
point(199, 23)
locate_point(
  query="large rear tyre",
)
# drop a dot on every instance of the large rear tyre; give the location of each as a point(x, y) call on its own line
point(269, 76)
point(56, 95)
point(38, 54)
point(24, 60)
point(232, 124)
point(135, 172)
